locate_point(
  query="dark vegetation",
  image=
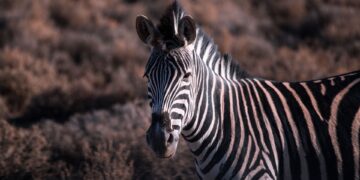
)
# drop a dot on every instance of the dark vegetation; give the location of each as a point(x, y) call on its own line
point(71, 88)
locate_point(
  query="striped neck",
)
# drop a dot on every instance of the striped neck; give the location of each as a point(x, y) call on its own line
point(207, 127)
point(223, 65)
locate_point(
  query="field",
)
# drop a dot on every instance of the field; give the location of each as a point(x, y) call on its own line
point(72, 95)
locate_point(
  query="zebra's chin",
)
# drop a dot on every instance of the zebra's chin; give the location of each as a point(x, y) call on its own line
point(167, 153)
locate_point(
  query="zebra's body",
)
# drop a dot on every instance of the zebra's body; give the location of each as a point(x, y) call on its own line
point(242, 127)
point(281, 130)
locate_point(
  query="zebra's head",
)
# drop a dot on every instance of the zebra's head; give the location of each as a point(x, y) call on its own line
point(170, 77)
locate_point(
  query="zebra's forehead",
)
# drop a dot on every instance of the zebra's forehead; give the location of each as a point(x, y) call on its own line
point(177, 59)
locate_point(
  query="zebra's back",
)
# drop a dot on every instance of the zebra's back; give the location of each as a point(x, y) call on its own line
point(313, 126)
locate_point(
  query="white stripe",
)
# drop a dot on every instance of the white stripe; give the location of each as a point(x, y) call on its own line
point(199, 44)
point(206, 53)
point(355, 143)
point(175, 23)
point(323, 89)
point(210, 61)
point(179, 111)
point(223, 68)
point(216, 68)
point(342, 78)
point(332, 82)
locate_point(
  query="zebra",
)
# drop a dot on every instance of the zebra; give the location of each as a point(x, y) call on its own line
point(242, 127)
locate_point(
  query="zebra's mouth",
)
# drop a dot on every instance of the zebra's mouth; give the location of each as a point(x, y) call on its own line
point(165, 156)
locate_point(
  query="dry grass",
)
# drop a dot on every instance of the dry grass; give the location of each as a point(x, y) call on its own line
point(71, 76)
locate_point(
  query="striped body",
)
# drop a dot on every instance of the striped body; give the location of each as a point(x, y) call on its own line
point(258, 128)
point(241, 127)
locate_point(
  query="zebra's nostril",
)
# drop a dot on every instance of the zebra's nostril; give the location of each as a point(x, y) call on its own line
point(171, 139)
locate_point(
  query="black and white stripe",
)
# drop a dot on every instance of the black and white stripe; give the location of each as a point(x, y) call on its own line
point(243, 127)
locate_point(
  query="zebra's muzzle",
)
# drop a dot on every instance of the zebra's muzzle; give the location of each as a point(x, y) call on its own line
point(161, 138)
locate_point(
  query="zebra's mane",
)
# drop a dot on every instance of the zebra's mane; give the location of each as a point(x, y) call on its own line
point(169, 21)
point(204, 45)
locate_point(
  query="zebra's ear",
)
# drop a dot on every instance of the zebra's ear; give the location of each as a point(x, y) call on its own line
point(145, 29)
point(187, 28)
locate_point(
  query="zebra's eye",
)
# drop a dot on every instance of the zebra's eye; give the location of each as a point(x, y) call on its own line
point(187, 75)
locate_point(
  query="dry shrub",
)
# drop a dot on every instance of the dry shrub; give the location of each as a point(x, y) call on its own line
point(301, 19)
point(345, 17)
point(148, 166)
point(23, 152)
point(60, 104)
point(3, 108)
point(94, 145)
point(15, 89)
point(36, 70)
point(90, 159)
point(111, 144)
point(9, 4)
point(205, 18)
point(71, 14)
point(108, 161)
point(83, 47)
point(22, 77)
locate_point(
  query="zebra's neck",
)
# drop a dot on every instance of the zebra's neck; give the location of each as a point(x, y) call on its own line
point(214, 119)
point(223, 65)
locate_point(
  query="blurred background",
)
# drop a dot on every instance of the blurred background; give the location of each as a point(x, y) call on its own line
point(72, 96)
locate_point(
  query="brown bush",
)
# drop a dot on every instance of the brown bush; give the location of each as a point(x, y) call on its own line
point(23, 152)
point(98, 145)
point(3, 108)
point(15, 88)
